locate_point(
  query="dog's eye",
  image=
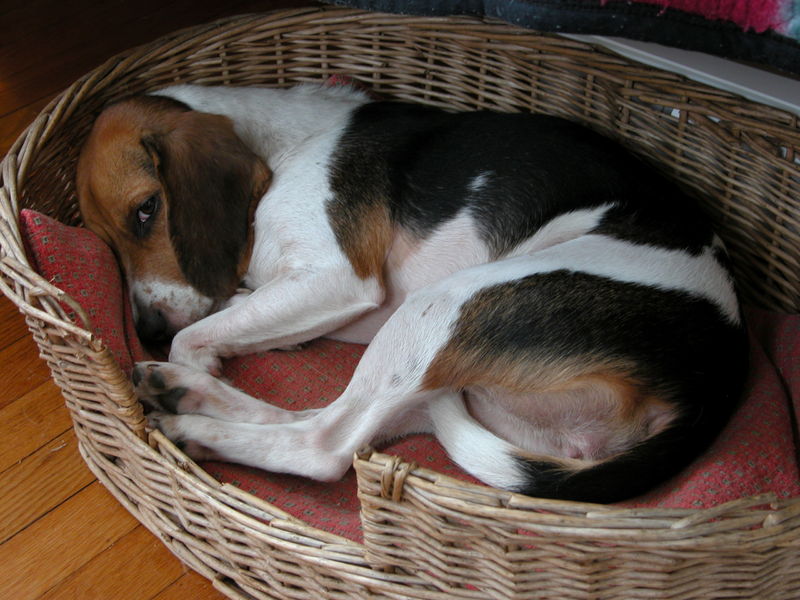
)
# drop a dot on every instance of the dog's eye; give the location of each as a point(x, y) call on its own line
point(142, 217)
point(147, 209)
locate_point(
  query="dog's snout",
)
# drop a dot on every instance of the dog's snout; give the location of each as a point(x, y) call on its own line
point(161, 309)
point(152, 325)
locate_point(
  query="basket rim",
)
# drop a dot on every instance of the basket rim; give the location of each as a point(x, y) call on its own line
point(607, 521)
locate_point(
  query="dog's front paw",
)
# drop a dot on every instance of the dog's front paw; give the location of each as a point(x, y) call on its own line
point(184, 431)
point(186, 351)
point(170, 387)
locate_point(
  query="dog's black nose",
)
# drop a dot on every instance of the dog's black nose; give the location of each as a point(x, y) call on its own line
point(152, 326)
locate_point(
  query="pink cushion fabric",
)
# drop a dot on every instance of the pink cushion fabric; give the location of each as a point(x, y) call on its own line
point(780, 339)
point(79, 263)
point(756, 452)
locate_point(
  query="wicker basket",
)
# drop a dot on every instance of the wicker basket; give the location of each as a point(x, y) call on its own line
point(428, 536)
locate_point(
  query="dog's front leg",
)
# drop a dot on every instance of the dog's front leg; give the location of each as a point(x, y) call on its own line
point(296, 307)
point(386, 397)
point(313, 443)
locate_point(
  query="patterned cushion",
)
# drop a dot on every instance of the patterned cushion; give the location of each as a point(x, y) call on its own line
point(756, 452)
point(80, 264)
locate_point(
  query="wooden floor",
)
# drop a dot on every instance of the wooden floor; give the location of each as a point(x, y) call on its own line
point(62, 535)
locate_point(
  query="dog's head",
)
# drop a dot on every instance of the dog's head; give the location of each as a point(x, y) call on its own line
point(172, 191)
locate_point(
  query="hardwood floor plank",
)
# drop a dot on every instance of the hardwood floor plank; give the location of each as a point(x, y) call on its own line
point(61, 542)
point(191, 585)
point(21, 370)
point(38, 25)
point(14, 123)
point(31, 422)
point(137, 562)
point(52, 59)
point(40, 482)
point(12, 323)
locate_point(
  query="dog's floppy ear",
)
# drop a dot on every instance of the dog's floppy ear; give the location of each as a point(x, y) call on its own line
point(212, 183)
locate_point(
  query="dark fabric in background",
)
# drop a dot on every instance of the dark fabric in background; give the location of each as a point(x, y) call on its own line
point(643, 22)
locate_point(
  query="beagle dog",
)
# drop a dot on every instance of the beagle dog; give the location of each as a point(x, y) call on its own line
point(560, 316)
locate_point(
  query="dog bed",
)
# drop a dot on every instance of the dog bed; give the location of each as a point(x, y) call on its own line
point(754, 455)
point(407, 523)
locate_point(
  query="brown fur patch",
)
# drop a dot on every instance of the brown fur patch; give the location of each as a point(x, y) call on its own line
point(115, 175)
point(211, 182)
point(458, 368)
point(364, 233)
point(562, 465)
point(207, 180)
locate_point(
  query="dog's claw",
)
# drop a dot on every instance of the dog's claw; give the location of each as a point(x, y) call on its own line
point(169, 400)
point(154, 419)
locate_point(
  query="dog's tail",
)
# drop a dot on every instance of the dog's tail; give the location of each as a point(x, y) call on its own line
point(503, 465)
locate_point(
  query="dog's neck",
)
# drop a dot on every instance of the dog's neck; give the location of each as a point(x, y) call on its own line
point(274, 122)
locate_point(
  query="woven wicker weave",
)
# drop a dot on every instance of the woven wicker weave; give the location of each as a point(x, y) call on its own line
point(428, 536)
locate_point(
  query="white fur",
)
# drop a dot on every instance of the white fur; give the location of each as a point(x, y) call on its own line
point(616, 259)
point(180, 304)
point(304, 287)
point(274, 123)
point(560, 229)
point(479, 182)
point(412, 265)
point(455, 246)
point(483, 454)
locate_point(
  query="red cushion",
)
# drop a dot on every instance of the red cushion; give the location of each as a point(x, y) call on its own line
point(79, 263)
point(756, 452)
point(780, 339)
point(312, 378)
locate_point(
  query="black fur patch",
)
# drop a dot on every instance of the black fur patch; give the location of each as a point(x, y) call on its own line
point(424, 164)
point(170, 398)
point(677, 338)
point(681, 347)
point(208, 174)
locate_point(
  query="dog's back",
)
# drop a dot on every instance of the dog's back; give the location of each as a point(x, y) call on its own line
point(606, 330)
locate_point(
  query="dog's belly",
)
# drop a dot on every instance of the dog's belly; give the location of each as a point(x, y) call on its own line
point(582, 420)
point(414, 263)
